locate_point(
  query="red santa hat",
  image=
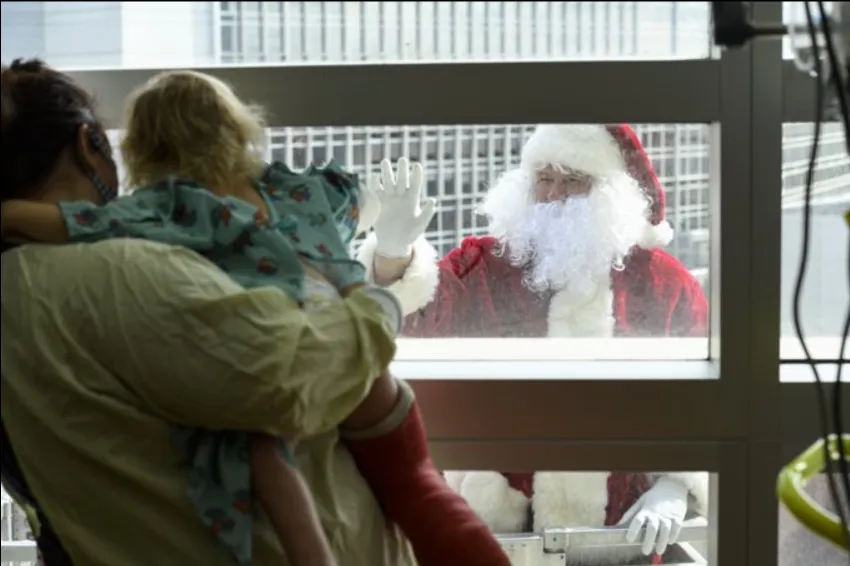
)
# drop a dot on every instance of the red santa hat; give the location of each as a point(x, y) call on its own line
point(602, 151)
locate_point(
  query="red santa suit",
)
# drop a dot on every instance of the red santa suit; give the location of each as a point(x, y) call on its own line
point(476, 292)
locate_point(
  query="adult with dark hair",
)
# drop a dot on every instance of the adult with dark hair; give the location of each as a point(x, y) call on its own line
point(107, 346)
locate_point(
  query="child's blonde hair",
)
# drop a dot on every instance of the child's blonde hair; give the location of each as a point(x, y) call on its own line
point(191, 126)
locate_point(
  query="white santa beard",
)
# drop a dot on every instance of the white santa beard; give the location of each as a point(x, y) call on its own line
point(569, 245)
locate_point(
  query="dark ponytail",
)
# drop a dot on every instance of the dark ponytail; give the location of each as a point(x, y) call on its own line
point(42, 110)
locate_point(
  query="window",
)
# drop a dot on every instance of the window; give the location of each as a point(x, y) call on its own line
point(463, 163)
point(798, 41)
point(337, 32)
point(228, 42)
point(825, 295)
point(13, 525)
point(579, 504)
point(798, 545)
point(712, 127)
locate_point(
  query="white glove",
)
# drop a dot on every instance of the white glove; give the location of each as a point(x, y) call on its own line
point(662, 509)
point(404, 215)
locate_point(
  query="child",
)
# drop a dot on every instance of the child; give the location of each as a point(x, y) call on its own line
point(194, 145)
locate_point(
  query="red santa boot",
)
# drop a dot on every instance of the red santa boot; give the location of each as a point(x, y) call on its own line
point(440, 525)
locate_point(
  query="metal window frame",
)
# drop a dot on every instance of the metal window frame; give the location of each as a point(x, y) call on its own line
point(734, 425)
point(495, 93)
point(451, 93)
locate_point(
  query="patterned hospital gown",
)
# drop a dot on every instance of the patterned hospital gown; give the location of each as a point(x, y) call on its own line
point(312, 219)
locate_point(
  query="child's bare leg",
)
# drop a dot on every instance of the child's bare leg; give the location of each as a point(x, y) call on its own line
point(287, 502)
point(386, 436)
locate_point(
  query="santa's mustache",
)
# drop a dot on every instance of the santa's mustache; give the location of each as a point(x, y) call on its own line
point(571, 244)
point(557, 244)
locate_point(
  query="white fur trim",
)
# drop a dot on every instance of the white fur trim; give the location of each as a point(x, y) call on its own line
point(570, 499)
point(576, 316)
point(587, 148)
point(656, 235)
point(502, 508)
point(417, 286)
point(454, 479)
point(697, 484)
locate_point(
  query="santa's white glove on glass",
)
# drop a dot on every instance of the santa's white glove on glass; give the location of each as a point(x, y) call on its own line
point(404, 214)
point(662, 510)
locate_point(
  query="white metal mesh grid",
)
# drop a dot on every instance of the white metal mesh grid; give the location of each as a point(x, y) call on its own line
point(462, 161)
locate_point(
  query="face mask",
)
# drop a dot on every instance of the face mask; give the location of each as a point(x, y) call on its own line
point(347, 215)
point(106, 192)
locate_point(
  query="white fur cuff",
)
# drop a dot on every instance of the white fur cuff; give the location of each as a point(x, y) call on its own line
point(697, 484)
point(502, 508)
point(417, 286)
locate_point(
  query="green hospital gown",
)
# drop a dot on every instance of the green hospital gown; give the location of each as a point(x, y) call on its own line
point(312, 218)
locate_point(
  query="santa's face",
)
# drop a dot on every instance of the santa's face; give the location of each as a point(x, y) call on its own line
point(553, 185)
point(567, 229)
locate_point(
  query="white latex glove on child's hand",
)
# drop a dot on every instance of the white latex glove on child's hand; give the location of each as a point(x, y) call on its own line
point(404, 214)
point(662, 509)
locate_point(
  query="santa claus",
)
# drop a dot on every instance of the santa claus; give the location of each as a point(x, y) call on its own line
point(574, 251)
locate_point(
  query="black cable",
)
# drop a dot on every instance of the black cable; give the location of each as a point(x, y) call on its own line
point(803, 267)
point(837, 405)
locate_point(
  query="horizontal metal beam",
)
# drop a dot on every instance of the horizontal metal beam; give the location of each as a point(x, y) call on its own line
point(668, 410)
point(583, 456)
point(592, 410)
point(455, 93)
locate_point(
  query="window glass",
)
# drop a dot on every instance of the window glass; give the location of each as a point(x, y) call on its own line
point(562, 299)
point(13, 524)
point(174, 34)
point(521, 508)
point(597, 510)
point(462, 162)
point(580, 280)
point(825, 295)
point(798, 40)
point(798, 546)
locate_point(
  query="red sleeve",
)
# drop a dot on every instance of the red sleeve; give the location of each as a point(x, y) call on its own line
point(657, 296)
point(463, 301)
point(690, 311)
